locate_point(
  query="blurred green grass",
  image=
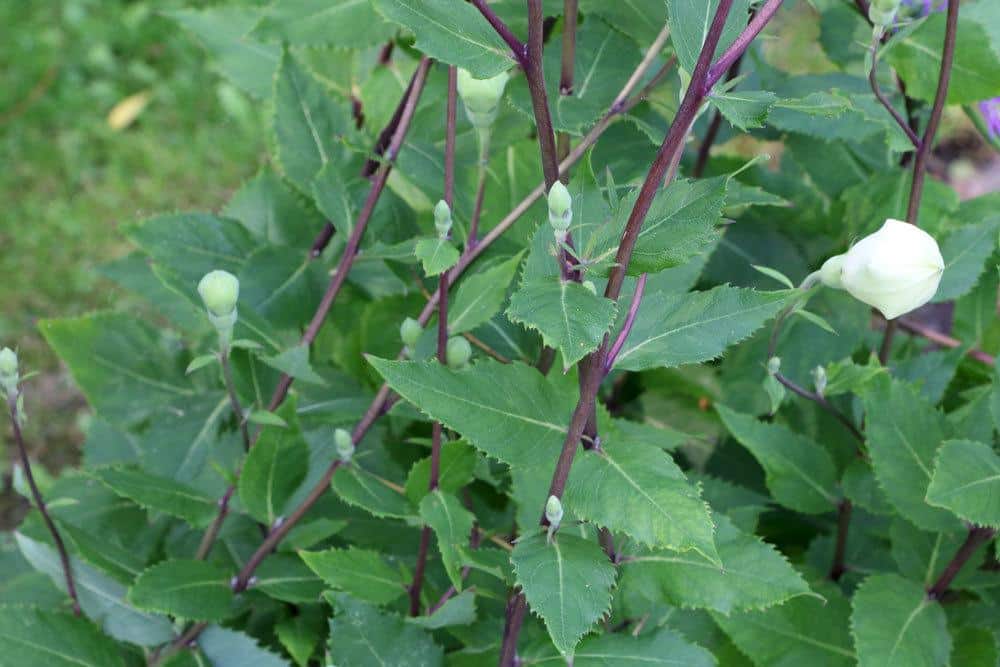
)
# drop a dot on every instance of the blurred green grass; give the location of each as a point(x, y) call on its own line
point(68, 181)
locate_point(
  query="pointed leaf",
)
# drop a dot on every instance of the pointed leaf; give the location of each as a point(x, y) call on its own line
point(159, 493)
point(436, 255)
point(967, 481)
point(452, 524)
point(272, 471)
point(31, 636)
point(192, 589)
point(344, 24)
point(360, 488)
point(459, 610)
point(479, 297)
point(364, 574)
point(361, 635)
point(228, 648)
point(285, 577)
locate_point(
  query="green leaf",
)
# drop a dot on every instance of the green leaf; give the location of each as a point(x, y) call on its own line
point(689, 21)
point(456, 34)
point(802, 631)
point(302, 633)
point(510, 411)
point(31, 636)
point(641, 20)
point(675, 329)
point(295, 362)
point(361, 635)
point(920, 554)
point(975, 647)
point(228, 648)
point(604, 58)
point(436, 255)
point(118, 364)
point(265, 418)
point(745, 109)
point(192, 589)
point(308, 125)
point(568, 583)
point(479, 297)
point(845, 376)
point(967, 481)
point(800, 473)
point(681, 224)
point(200, 362)
point(813, 318)
point(364, 574)
point(159, 493)
point(222, 30)
point(904, 432)
point(344, 24)
point(458, 462)
point(965, 252)
point(459, 610)
point(975, 73)
point(273, 470)
point(570, 318)
point(895, 625)
point(638, 490)
point(101, 597)
point(754, 575)
point(774, 273)
point(621, 649)
point(273, 212)
point(285, 577)
point(360, 488)
point(452, 524)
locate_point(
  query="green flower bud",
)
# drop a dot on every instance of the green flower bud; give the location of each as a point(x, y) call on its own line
point(458, 352)
point(344, 444)
point(410, 331)
point(882, 13)
point(219, 291)
point(9, 377)
point(442, 219)
point(481, 97)
point(773, 365)
point(553, 511)
point(819, 379)
point(560, 209)
point(590, 286)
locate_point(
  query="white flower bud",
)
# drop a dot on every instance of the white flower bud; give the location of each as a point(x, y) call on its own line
point(773, 365)
point(896, 269)
point(553, 511)
point(819, 379)
point(560, 207)
point(481, 97)
point(9, 376)
point(344, 444)
point(458, 352)
point(442, 219)
point(219, 291)
point(410, 331)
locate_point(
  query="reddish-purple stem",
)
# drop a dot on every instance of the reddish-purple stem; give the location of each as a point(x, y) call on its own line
point(633, 310)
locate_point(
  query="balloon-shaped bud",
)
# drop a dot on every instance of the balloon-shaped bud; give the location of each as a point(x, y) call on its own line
point(553, 511)
point(560, 209)
point(458, 352)
point(481, 97)
point(410, 331)
point(219, 291)
point(896, 269)
point(344, 444)
point(9, 376)
point(442, 219)
point(773, 365)
point(819, 380)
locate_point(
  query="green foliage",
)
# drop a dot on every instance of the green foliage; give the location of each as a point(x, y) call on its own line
point(712, 511)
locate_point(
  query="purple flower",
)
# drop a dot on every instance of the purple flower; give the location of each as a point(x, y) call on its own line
point(991, 114)
point(925, 7)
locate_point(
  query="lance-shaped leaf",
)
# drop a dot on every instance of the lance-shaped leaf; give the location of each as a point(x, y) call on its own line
point(754, 575)
point(192, 589)
point(480, 297)
point(308, 124)
point(364, 574)
point(675, 329)
point(285, 577)
point(159, 493)
point(965, 252)
point(452, 524)
point(604, 58)
point(895, 624)
point(967, 481)
point(800, 473)
point(30, 636)
point(689, 22)
point(454, 33)
point(920, 554)
point(567, 583)
point(570, 318)
point(225, 648)
point(436, 255)
point(457, 464)
point(638, 490)
point(273, 470)
point(802, 631)
point(101, 597)
point(459, 610)
point(745, 109)
point(360, 488)
point(344, 24)
point(904, 432)
point(361, 635)
point(510, 411)
point(641, 20)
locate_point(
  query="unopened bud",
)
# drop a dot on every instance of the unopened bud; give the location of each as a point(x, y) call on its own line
point(9, 376)
point(773, 365)
point(590, 286)
point(344, 443)
point(410, 331)
point(458, 352)
point(481, 97)
point(560, 207)
point(553, 511)
point(219, 291)
point(819, 379)
point(882, 13)
point(442, 219)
